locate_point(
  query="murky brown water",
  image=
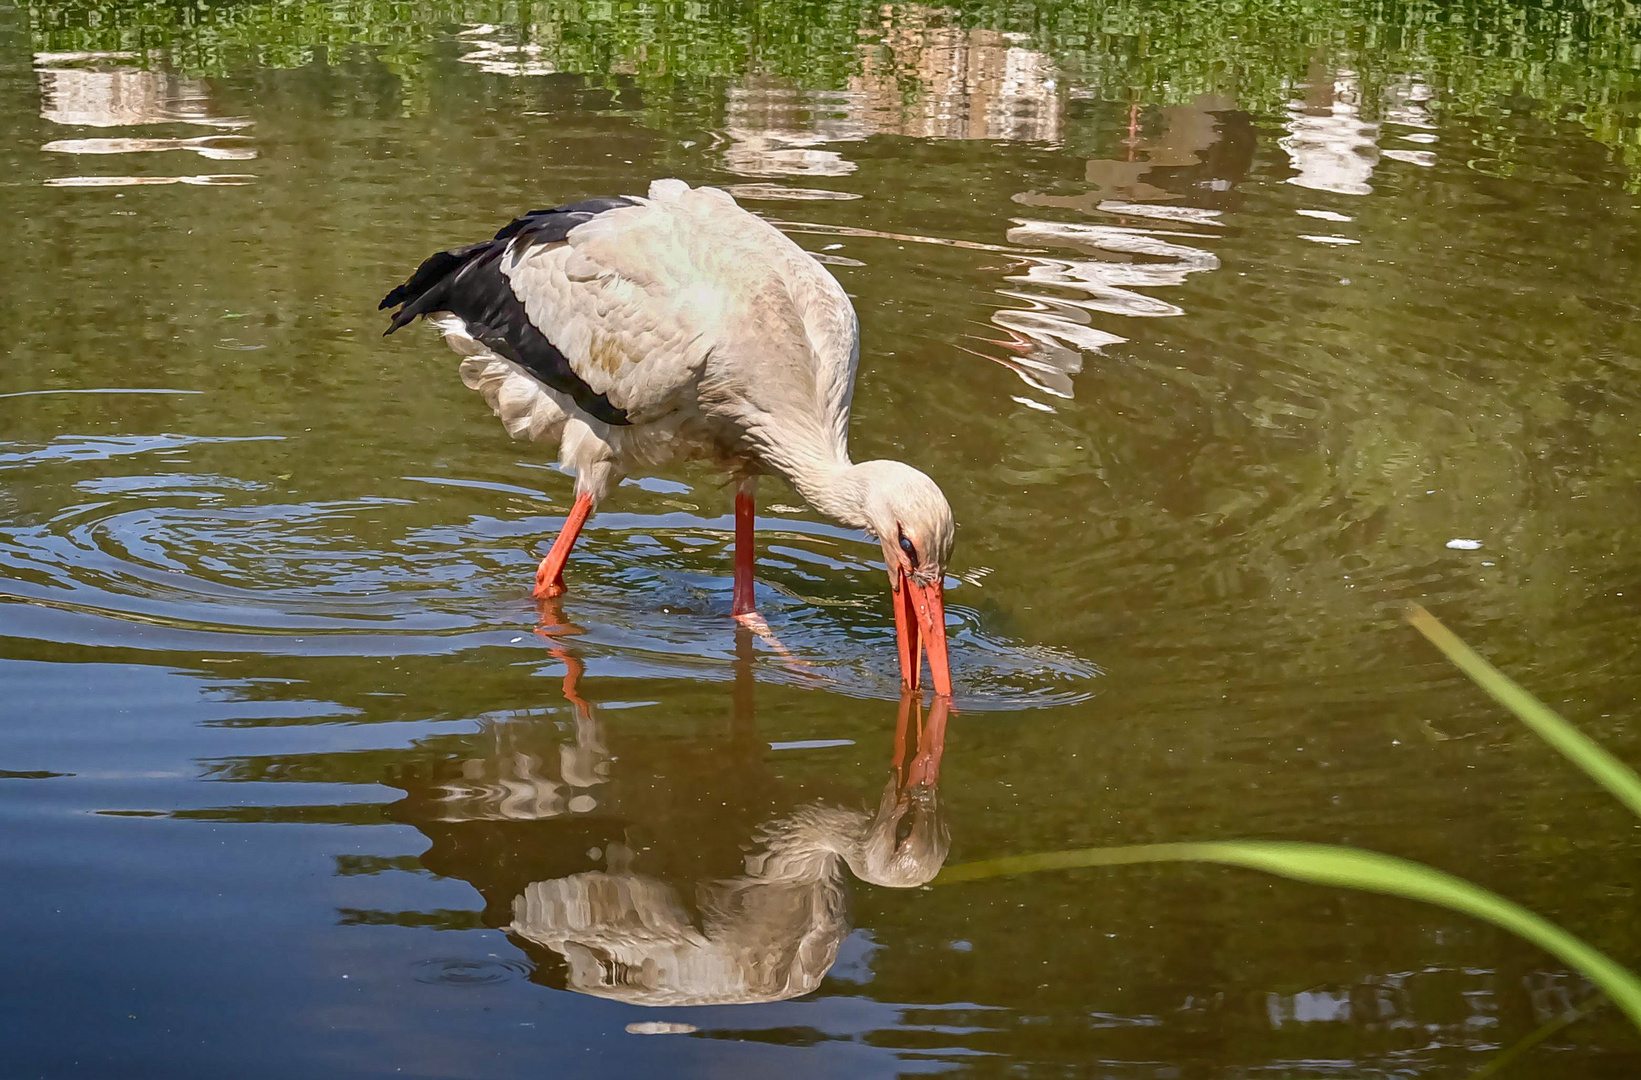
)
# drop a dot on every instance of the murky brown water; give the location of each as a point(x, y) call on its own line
point(1216, 335)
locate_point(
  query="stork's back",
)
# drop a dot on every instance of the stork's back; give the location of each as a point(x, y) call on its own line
point(468, 283)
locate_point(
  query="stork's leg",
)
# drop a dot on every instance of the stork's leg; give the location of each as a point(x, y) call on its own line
point(743, 547)
point(745, 611)
point(550, 575)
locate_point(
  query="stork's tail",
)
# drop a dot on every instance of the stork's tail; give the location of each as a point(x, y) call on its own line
point(471, 285)
point(429, 289)
point(426, 289)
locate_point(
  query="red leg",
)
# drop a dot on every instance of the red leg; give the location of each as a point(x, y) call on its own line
point(550, 575)
point(745, 610)
point(743, 551)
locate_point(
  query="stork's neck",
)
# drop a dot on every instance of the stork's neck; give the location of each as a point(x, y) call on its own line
point(807, 845)
point(818, 466)
point(836, 489)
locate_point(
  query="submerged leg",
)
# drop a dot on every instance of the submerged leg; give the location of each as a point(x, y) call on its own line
point(743, 547)
point(550, 575)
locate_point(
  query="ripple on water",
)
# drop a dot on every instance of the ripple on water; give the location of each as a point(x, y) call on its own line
point(465, 971)
point(198, 562)
point(68, 448)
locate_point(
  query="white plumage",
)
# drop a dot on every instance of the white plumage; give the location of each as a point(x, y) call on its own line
point(639, 331)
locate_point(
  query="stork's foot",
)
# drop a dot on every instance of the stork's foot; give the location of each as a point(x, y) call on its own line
point(755, 623)
point(549, 580)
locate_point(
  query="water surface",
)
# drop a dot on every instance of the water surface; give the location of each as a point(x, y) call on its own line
point(1216, 328)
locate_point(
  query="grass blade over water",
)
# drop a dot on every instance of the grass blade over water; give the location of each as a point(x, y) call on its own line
point(1578, 747)
point(1350, 868)
point(1370, 871)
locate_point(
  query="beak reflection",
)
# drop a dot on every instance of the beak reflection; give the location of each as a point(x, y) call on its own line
point(598, 879)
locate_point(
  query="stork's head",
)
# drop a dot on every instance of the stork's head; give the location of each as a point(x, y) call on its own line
point(910, 517)
point(906, 842)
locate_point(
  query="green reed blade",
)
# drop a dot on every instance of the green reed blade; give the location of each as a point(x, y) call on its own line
point(1583, 751)
point(1350, 868)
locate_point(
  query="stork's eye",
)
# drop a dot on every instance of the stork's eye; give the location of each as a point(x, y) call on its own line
point(911, 552)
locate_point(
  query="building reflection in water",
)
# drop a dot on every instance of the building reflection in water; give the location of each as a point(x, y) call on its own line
point(1403, 105)
point(775, 130)
point(614, 868)
point(1330, 146)
point(492, 52)
point(1333, 148)
point(1172, 153)
point(108, 90)
point(1178, 166)
point(967, 84)
point(213, 147)
point(1048, 338)
point(971, 83)
point(1177, 169)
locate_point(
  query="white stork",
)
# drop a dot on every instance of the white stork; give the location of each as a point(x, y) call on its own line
point(637, 331)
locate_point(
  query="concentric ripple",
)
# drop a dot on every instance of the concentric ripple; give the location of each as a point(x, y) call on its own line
point(199, 561)
point(470, 972)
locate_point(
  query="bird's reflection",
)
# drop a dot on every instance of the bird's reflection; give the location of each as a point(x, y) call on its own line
point(612, 863)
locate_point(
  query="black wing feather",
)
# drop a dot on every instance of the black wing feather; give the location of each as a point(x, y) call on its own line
point(469, 284)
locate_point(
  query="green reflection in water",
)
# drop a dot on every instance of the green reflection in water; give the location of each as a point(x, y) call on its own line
point(1557, 59)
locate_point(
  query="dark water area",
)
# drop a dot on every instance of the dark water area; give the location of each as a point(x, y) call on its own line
point(1218, 324)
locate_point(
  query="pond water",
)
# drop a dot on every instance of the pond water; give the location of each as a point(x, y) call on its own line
point(1217, 326)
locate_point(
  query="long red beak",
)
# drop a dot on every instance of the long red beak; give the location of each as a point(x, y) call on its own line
point(920, 622)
